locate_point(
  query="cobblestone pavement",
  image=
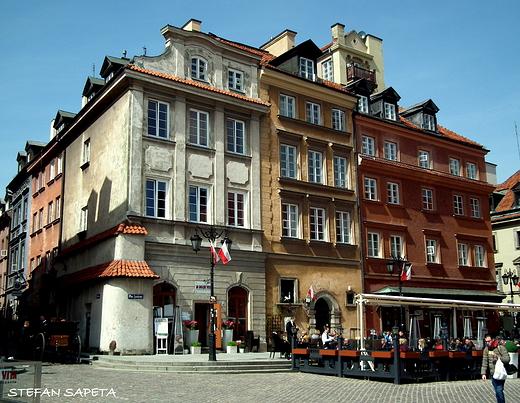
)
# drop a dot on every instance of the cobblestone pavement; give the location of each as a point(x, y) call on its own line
point(147, 387)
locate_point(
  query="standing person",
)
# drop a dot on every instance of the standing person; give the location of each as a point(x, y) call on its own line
point(291, 328)
point(492, 353)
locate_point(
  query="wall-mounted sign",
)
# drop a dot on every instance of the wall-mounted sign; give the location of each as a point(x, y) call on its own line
point(135, 296)
point(17, 293)
point(202, 287)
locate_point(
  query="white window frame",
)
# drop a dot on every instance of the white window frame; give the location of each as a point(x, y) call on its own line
point(86, 152)
point(424, 159)
point(57, 213)
point(429, 122)
point(288, 161)
point(458, 205)
point(290, 220)
point(373, 244)
point(475, 207)
point(236, 136)
point(393, 192)
point(199, 204)
point(315, 162)
point(370, 189)
point(427, 199)
point(341, 172)
point(287, 106)
point(199, 68)
point(368, 146)
point(50, 212)
point(199, 128)
point(362, 104)
point(463, 254)
point(318, 224)
point(479, 256)
point(156, 198)
point(236, 209)
point(472, 170)
point(389, 111)
point(343, 227)
point(338, 120)
point(390, 151)
point(327, 70)
point(454, 166)
point(52, 170)
point(313, 113)
point(431, 251)
point(83, 222)
point(59, 166)
point(307, 68)
point(158, 119)
point(236, 80)
point(396, 246)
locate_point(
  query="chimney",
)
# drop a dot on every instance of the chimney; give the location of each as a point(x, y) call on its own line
point(192, 25)
point(281, 43)
point(338, 33)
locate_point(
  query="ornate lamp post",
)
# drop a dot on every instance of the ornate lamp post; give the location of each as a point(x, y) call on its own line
point(402, 267)
point(509, 278)
point(211, 235)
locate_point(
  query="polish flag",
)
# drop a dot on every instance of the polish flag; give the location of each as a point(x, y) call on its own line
point(310, 293)
point(223, 253)
point(406, 273)
point(213, 252)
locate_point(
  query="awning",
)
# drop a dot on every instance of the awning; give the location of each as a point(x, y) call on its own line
point(443, 293)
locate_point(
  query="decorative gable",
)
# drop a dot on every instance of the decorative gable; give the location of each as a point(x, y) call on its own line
point(111, 65)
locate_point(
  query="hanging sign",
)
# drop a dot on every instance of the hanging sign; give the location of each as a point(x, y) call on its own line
point(202, 287)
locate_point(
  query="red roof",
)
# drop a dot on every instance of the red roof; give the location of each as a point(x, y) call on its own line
point(510, 182)
point(115, 268)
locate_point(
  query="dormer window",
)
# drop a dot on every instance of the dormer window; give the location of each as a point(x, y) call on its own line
point(198, 69)
point(429, 122)
point(109, 77)
point(327, 70)
point(235, 80)
point(389, 111)
point(307, 68)
point(362, 104)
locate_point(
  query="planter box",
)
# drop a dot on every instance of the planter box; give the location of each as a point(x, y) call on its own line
point(227, 336)
point(457, 354)
point(477, 353)
point(301, 351)
point(190, 336)
point(513, 359)
point(196, 350)
point(329, 352)
point(231, 349)
point(410, 355)
point(383, 354)
point(438, 353)
point(349, 353)
point(241, 350)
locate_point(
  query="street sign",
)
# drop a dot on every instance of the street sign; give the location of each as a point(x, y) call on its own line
point(17, 293)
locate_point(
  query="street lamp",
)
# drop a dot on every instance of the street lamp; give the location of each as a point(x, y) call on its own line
point(506, 277)
point(403, 266)
point(211, 235)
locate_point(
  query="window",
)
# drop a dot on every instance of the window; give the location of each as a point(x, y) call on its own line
point(389, 111)
point(40, 219)
point(362, 104)
point(290, 220)
point(52, 173)
point(429, 122)
point(58, 207)
point(35, 222)
point(393, 193)
point(424, 159)
point(315, 167)
point(50, 212)
point(431, 251)
point(235, 80)
point(83, 222)
point(338, 120)
point(517, 239)
point(454, 166)
point(312, 113)
point(368, 147)
point(287, 106)
point(317, 221)
point(289, 167)
point(198, 69)
point(427, 197)
point(479, 256)
point(370, 189)
point(156, 192)
point(236, 203)
point(342, 227)
point(340, 172)
point(235, 136)
point(199, 126)
point(373, 244)
point(396, 246)
point(390, 151)
point(475, 208)
point(463, 254)
point(458, 205)
point(86, 152)
point(307, 68)
point(288, 290)
point(198, 204)
point(472, 170)
point(59, 165)
point(327, 70)
point(158, 119)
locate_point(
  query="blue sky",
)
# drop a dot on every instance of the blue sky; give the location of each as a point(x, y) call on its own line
point(464, 55)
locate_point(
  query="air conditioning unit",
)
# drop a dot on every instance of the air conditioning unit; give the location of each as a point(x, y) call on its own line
point(3, 252)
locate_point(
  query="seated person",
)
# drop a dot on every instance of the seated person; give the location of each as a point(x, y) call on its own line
point(316, 335)
point(327, 340)
point(403, 346)
point(422, 346)
point(346, 345)
point(281, 345)
point(468, 345)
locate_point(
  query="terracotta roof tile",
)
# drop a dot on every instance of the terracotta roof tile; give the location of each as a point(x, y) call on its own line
point(115, 268)
point(505, 217)
point(238, 45)
point(507, 202)
point(123, 228)
point(454, 136)
point(195, 84)
point(510, 182)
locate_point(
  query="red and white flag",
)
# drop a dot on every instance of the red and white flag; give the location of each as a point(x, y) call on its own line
point(223, 253)
point(406, 273)
point(213, 252)
point(310, 293)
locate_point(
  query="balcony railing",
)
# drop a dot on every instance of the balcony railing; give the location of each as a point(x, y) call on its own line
point(356, 73)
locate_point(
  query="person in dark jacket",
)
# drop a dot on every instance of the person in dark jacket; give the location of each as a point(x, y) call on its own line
point(492, 353)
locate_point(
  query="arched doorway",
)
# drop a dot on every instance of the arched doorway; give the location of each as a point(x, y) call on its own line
point(164, 298)
point(322, 314)
point(237, 310)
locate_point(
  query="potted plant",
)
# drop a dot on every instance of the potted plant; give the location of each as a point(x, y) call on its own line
point(512, 349)
point(191, 334)
point(231, 347)
point(227, 331)
point(242, 347)
point(196, 347)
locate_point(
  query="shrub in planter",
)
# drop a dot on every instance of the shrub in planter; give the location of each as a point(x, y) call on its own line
point(196, 344)
point(232, 343)
point(511, 347)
